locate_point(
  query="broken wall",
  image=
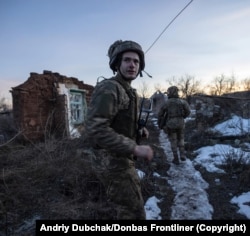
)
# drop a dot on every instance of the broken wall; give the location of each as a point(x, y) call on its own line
point(40, 106)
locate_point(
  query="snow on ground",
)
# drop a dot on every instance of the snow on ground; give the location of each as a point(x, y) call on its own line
point(234, 126)
point(191, 200)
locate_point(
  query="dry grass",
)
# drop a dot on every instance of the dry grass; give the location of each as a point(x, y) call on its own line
point(50, 184)
point(53, 180)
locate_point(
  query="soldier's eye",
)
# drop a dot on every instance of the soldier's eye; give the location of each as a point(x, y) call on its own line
point(128, 60)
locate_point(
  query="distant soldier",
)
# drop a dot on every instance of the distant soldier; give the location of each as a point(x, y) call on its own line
point(111, 125)
point(171, 119)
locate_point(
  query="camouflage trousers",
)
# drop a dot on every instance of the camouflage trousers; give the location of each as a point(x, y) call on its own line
point(122, 184)
point(176, 139)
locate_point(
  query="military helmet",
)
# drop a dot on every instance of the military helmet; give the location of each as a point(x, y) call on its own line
point(172, 91)
point(119, 47)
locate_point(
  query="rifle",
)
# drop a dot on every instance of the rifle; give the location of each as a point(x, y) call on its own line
point(142, 120)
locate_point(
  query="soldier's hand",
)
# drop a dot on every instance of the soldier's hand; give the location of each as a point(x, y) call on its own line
point(144, 133)
point(144, 151)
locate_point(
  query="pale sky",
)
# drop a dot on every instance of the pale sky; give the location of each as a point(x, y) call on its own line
point(209, 38)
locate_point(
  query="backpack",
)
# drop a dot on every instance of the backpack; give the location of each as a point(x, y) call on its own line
point(175, 118)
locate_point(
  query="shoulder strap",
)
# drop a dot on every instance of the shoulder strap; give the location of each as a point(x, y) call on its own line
point(130, 91)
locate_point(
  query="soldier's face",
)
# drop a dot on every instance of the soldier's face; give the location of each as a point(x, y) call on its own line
point(130, 65)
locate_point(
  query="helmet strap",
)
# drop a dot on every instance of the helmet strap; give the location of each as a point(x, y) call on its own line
point(150, 76)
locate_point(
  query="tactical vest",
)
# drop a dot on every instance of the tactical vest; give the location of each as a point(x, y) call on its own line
point(125, 121)
point(175, 108)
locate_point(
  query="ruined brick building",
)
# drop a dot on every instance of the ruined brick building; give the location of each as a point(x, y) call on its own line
point(50, 105)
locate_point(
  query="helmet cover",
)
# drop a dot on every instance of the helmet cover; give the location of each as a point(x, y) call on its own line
point(172, 91)
point(119, 47)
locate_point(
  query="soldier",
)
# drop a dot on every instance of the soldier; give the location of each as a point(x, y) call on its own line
point(172, 113)
point(112, 128)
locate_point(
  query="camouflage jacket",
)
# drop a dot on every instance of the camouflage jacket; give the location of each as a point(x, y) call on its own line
point(112, 116)
point(173, 112)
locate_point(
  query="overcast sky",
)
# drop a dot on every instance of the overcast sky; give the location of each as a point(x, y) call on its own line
point(207, 39)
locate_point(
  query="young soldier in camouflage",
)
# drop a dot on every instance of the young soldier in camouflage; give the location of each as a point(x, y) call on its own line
point(112, 128)
point(174, 111)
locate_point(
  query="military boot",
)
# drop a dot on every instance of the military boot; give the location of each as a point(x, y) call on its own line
point(183, 158)
point(176, 159)
point(182, 154)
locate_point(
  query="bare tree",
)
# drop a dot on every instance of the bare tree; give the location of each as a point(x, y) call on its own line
point(222, 84)
point(217, 86)
point(187, 85)
point(230, 84)
point(159, 87)
point(144, 90)
point(3, 104)
point(246, 83)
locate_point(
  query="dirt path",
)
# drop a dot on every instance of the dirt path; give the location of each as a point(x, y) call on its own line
point(191, 199)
